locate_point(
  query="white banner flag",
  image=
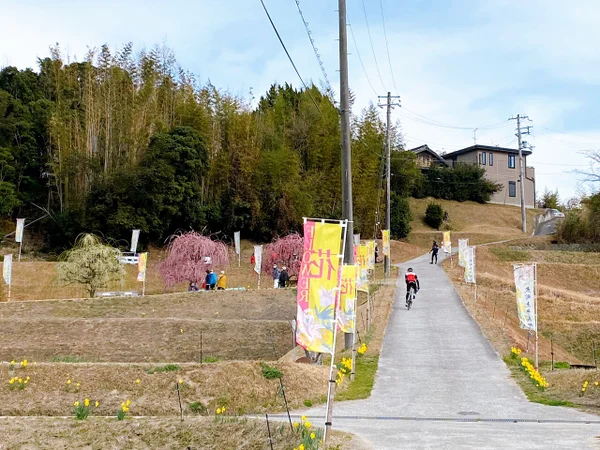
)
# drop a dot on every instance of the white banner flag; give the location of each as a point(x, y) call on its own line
point(470, 265)
point(19, 230)
point(462, 246)
point(7, 269)
point(356, 239)
point(236, 240)
point(525, 284)
point(446, 242)
point(135, 236)
point(257, 258)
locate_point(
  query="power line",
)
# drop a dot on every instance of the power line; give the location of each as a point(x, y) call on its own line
point(316, 50)
point(372, 48)
point(425, 120)
point(386, 45)
point(288, 55)
point(360, 59)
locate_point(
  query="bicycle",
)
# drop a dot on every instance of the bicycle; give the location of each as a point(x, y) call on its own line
point(411, 297)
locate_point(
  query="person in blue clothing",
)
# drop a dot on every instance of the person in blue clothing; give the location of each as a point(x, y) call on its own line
point(212, 280)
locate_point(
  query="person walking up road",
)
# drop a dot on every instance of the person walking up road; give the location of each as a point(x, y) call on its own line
point(434, 252)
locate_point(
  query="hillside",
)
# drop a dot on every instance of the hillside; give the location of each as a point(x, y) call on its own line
point(481, 223)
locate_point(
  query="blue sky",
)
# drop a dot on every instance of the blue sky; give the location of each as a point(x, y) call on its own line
point(466, 64)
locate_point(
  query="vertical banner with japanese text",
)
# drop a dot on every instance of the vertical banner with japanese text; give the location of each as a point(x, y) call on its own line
point(525, 284)
point(142, 263)
point(258, 250)
point(446, 242)
point(462, 246)
point(319, 285)
point(385, 234)
point(470, 265)
point(135, 237)
point(371, 259)
point(346, 309)
point(236, 241)
point(356, 239)
point(7, 269)
point(19, 230)
point(362, 259)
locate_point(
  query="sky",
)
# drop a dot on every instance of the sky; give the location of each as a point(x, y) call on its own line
point(457, 65)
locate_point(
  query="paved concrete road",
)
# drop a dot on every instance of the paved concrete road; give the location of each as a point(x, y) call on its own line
point(547, 228)
point(438, 374)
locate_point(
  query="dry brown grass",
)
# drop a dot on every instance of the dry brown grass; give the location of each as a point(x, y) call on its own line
point(147, 433)
point(238, 385)
point(568, 384)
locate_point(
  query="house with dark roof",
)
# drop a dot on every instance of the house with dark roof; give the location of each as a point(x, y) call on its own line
point(501, 166)
point(427, 157)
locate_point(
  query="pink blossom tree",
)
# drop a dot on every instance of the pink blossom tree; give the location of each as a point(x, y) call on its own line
point(190, 255)
point(286, 251)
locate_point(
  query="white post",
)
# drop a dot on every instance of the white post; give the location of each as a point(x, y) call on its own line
point(536, 314)
point(368, 308)
point(20, 248)
point(258, 280)
point(354, 349)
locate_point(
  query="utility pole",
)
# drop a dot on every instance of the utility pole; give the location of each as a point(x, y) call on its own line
point(388, 172)
point(521, 169)
point(347, 212)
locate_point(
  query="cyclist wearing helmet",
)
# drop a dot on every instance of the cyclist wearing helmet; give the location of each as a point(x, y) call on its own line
point(411, 281)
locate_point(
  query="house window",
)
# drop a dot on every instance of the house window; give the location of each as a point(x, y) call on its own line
point(512, 188)
point(511, 161)
point(491, 159)
point(482, 158)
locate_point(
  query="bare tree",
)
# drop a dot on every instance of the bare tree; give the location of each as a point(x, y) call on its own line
point(592, 175)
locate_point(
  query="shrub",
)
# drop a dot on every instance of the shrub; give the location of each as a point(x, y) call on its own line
point(270, 373)
point(198, 408)
point(434, 215)
point(400, 216)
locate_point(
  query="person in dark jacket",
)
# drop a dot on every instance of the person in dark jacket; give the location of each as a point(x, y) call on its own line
point(207, 280)
point(212, 280)
point(434, 252)
point(276, 273)
point(284, 277)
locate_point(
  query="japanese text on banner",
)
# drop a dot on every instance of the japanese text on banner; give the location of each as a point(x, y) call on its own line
point(19, 230)
point(371, 259)
point(525, 284)
point(7, 269)
point(236, 240)
point(462, 247)
point(318, 286)
point(258, 258)
point(135, 237)
point(447, 242)
point(385, 234)
point(362, 259)
point(346, 310)
point(470, 265)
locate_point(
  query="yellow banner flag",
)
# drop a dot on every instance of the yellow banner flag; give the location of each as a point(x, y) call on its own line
point(318, 286)
point(347, 308)
point(385, 234)
point(142, 261)
point(446, 242)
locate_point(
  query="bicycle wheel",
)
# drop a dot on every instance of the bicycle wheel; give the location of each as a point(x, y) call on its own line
point(411, 296)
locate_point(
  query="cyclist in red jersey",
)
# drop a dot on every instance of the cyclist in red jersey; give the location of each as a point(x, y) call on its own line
point(411, 281)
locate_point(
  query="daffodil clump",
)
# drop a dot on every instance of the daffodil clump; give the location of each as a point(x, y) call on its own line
point(18, 383)
point(122, 412)
point(515, 352)
point(586, 383)
point(14, 364)
point(310, 438)
point(362, 349)
point(82, 409)
point(344, 368)
point(533, 373)
point(71, 386)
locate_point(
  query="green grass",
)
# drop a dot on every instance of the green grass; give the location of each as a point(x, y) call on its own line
point(506, 254)
point(562, 365)
point(361, 387)
point(211, 359)
point(165, 368)
point(532, 393)
point(67, 359)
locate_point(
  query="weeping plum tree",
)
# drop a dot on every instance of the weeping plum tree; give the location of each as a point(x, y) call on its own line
point(286, 251)
point(91, 263)
point(188, 258)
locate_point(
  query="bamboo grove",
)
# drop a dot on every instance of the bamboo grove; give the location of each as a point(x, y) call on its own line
point(125, 140)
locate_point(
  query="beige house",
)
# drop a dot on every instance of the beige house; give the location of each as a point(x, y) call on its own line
point(501, 166)
point(427, 157)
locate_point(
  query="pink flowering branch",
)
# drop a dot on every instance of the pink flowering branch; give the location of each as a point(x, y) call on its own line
point(286, 251)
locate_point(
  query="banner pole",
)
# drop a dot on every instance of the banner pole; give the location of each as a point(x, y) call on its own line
point(354, 349)
point(368, 308)
point(20, 248)
point(536, 315)
point(331, 387)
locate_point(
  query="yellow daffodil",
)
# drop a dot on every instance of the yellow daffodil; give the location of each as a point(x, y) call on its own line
point(68, 381)
point(596, 383)
point(303, 418)
point(313, 435)
point(78, 384)
point(97, 403)
point(12, 381)
point(218, 410)
point(12, 363)
point(296, 424)
point(24, 363)
point(86, 402)
point(180, 381)
point(20, 380)
point(138, 381)
point(307, 424)
point(76, 404)
point(128, 402)
point(181, 330)
point(223, 410)
point(301, 447)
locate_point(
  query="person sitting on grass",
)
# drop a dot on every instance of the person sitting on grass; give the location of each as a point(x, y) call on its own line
point(222, 281)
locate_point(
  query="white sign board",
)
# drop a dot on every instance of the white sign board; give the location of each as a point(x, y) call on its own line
point(462, 247)
point(470, 265)
point(19, 230)
point(7, 269)
point(135, 237)
point(525, 284)
point(236, 240)
point(257, 258)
